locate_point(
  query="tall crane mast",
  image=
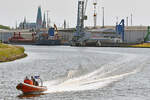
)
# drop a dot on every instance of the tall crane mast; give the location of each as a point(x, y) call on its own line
point(95, 14)
point(81, 16)
point(86, 1)
point(80, 33)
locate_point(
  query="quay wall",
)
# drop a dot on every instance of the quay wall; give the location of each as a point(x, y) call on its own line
point(131, 36)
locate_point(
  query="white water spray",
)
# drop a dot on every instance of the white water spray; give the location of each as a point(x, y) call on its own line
point(106, 74)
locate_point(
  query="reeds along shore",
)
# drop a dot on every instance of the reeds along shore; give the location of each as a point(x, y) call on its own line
point(10, 53)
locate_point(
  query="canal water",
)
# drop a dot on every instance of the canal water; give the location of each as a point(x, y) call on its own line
point(80, 73)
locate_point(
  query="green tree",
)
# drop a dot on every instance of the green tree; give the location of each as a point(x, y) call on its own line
point(4, 27)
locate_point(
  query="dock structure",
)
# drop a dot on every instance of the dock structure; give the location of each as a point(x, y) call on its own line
point(7, 35)
point(133, 34)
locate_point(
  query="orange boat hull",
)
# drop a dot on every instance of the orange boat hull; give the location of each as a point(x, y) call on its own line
point(27, 88)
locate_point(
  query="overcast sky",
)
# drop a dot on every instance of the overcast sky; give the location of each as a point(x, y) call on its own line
point(15, 10)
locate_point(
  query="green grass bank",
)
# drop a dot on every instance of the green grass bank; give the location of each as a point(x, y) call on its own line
point(11, 52)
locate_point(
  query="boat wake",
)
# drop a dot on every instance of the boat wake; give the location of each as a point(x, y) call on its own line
point(109, 73)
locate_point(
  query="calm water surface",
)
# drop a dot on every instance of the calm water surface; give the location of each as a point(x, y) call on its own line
point(73, 73)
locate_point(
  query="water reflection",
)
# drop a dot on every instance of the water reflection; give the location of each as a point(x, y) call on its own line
point(23, 96)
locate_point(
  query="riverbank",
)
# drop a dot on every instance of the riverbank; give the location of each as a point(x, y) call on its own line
point(142, 45)
point(10, 53)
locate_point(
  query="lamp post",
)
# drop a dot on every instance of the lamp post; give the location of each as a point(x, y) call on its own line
point(103, 17)
point(131, 19)
point(47, 18)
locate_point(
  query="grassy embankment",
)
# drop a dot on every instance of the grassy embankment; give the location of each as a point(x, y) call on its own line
point(143, 45)
point(10, 53)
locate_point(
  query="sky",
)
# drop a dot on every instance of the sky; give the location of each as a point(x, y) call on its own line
point(14, 11)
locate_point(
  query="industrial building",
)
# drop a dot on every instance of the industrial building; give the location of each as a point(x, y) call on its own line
point(5, 35)
point(133, 34)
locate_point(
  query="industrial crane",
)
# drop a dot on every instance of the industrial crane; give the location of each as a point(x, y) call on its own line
point(81, 15)
point(80, 36)
point(86, 1)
